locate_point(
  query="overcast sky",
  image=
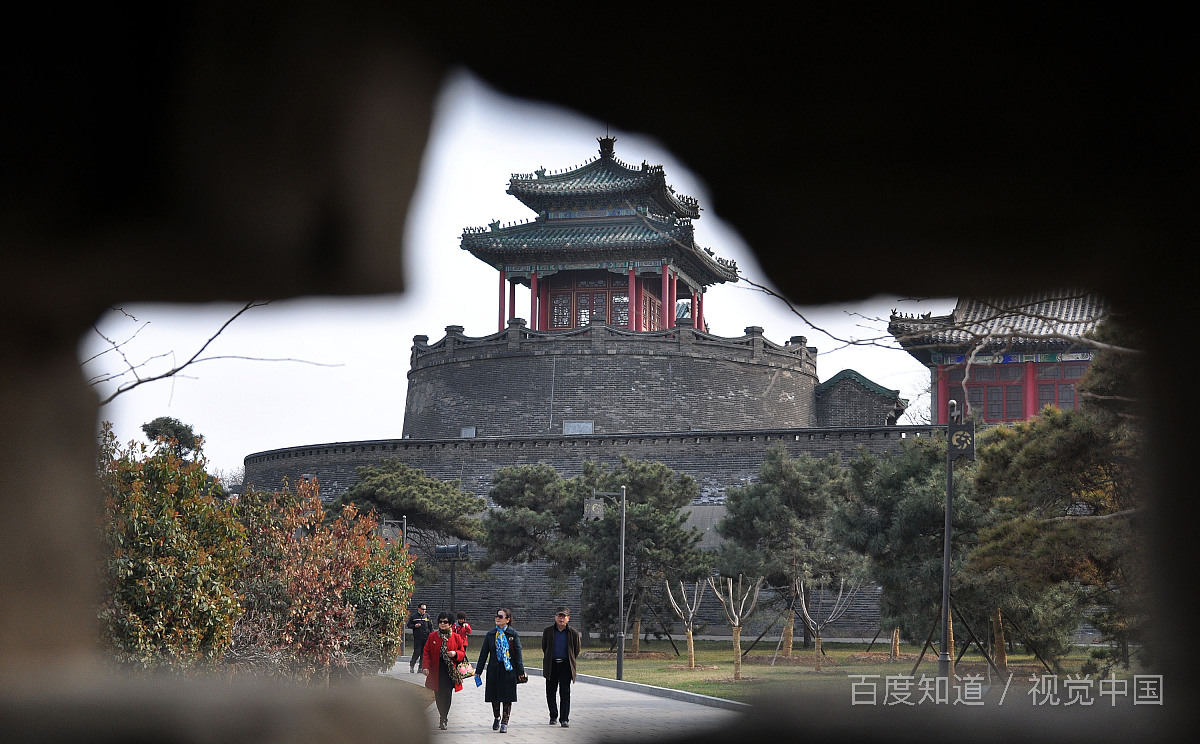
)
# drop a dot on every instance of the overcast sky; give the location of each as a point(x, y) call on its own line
point(479, 140)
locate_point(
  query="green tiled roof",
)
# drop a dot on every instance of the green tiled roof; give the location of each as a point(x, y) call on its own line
point(604, 181)
point(630, 237)
point(578, 235)
point(849, 374)
point(603, 212)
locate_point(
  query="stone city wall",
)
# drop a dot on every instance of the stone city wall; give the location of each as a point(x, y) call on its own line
point(716, 459)
point(520, 382)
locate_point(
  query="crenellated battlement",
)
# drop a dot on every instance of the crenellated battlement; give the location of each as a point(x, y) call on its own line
point(716, 459)
point(683, 339)
point(606, 380)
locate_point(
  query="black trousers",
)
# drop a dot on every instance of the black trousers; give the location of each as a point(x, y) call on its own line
point(558, 684)
point(444, 693)
point(419, 649)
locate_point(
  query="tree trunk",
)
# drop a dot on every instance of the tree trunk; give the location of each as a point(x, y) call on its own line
point(807, 632)
point(789, 625)
point(637, 635)
point(691, 643)
point(894, 653)
point(820, 656)
point(737, 652)
point(950, 633)
point(1001, 655)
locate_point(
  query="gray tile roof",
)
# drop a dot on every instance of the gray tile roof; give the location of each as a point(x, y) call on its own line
point(579, 235)
point(1048, 318)
point(606, 178)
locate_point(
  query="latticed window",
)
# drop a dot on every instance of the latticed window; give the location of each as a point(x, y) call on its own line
point(1046, 396)
point(995, 392)
point(560, 310)
point(578, 298)
point(1014, 403)
point(995, 403)
point(651, 308)
point(590, 307)
point(592, 279)
point(975, 397)
point(1058, 394)
point(1066, 397)
point(620, 309)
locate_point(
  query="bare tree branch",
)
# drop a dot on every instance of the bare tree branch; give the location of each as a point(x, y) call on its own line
point(883, 341)
point(996, 331)
point(134, 371)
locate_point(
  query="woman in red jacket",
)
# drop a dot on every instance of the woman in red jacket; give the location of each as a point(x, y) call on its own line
point(443, 651)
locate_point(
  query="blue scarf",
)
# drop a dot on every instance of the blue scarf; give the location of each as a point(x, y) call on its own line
point(502, 648)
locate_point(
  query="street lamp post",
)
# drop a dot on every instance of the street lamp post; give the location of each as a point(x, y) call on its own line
point(403, 542)
point(945, 663)
point(592, 509)
point(621, 594)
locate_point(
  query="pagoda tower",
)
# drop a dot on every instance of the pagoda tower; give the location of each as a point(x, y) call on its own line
point(610, 243)
point(608, 258)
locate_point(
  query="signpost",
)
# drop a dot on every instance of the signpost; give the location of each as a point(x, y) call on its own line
point(454, 554)
point(960, 442)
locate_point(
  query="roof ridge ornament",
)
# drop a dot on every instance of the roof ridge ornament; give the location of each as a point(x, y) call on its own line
point(606, 145)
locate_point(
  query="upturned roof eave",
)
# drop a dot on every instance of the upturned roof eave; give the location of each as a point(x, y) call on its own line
point(636, 185)
point(498, 248)
point(704, 271)
point(666, 201)
point(922, 349)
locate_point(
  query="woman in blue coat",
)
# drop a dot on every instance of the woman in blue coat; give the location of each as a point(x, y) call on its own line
point(501, 657)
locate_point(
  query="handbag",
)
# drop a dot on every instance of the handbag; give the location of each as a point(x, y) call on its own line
point(465, 669)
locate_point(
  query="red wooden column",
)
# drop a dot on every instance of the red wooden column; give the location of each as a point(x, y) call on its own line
point(665, 296)
point(500, 326)
point(943, 395)
point(533, 301)
point(693, 310)
point(638, 291)
point(674, 296)
point(512, 300)
point(699, 322)
point(1031, 392)
point(632, 324)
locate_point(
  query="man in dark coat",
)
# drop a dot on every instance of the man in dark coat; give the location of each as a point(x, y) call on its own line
point(421, 627)
point(560, 647)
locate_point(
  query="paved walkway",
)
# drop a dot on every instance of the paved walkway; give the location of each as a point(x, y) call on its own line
point(600, 709)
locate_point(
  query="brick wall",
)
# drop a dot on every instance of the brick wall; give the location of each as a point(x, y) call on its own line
point(520, 382)
point(849, 403)
point(716, 459)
